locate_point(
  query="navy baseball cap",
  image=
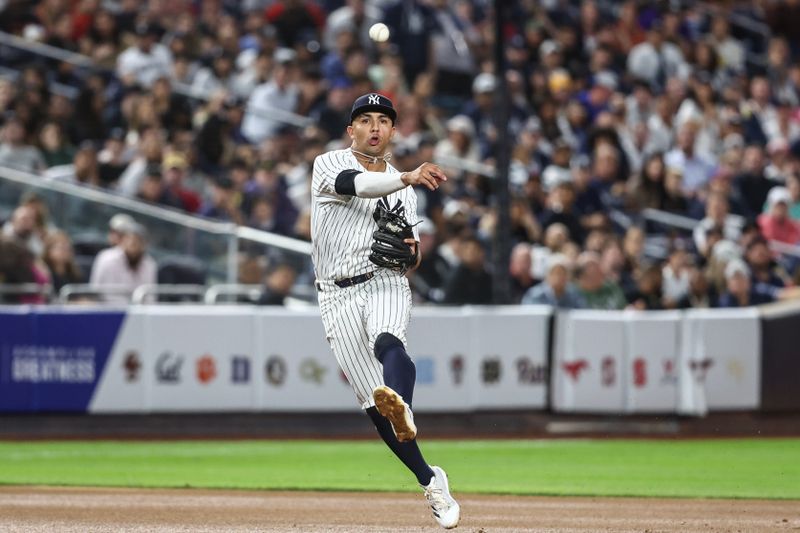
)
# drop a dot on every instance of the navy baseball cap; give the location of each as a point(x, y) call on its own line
point(373, 102)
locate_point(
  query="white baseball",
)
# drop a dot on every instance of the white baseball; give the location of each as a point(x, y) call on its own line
point(379, 32)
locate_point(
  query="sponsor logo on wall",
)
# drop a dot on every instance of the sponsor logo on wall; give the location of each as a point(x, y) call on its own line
point(574, 368)
point(668, 376)
point(736, 369)
point(491, 370)
point(425, 371)
point(206, 369)
point(52, 364)
point(240, 369)
point(700, 369)
point(275, 370)
point(608, 371)
point(132, 364)
point(312, 372)
point(640, 372)
point(168, 368)
point(457, 369)
point(530, 373)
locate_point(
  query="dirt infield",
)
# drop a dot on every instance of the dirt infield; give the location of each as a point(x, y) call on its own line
point(34, 509)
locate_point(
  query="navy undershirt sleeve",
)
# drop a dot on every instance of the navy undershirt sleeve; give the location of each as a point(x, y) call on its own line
point(345, 182)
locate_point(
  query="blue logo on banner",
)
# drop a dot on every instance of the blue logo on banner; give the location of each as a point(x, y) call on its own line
point(51, 361)
point(240, 369)
point(425, 374)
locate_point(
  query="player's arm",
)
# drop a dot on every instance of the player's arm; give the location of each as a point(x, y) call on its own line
point(378, 184)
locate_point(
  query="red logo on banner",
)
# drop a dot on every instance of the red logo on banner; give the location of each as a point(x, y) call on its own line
point(206, 369)
point(575, 368)
point(639, 372)
point(609, 371)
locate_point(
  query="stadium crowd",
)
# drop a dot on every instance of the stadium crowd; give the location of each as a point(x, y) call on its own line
point(616, 108)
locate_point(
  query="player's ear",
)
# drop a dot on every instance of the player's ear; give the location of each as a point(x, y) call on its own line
point(350, 131)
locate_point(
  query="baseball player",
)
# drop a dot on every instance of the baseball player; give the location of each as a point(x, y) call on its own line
point(362, 245)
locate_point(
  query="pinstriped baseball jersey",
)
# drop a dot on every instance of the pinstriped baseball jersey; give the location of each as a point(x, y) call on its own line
point(341, 235)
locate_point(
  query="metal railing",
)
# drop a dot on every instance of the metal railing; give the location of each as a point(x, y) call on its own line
point(148, 293)
point(26, 289)
point(686, 223)
point(226, 230)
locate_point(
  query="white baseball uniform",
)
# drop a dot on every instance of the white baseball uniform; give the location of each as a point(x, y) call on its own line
point(341, 236)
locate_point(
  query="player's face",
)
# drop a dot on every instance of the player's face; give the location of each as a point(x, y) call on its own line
point(371, 133)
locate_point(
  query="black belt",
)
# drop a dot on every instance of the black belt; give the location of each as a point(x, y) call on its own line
point(349, 282)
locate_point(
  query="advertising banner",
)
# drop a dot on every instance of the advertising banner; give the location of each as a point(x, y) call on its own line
point(589, 362)
point(201, 358)
point(294, 367)
point(651, 359)
point(51, 359)
point(509, 352)
point(721, 360)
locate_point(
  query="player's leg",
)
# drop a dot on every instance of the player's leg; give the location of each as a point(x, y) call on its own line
point(389, 308)
point(341, 316)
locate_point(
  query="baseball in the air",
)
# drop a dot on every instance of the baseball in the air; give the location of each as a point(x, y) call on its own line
point(379, 32)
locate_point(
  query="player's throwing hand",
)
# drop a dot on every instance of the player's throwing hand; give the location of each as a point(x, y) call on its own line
point(426, 174)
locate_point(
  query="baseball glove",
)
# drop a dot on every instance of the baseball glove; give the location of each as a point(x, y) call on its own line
point(389, 250)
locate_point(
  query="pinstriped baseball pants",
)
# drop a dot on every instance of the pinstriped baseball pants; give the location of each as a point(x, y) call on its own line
point(354, 317)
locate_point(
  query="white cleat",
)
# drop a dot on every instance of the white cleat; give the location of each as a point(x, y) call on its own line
point(445, 509)
point(392, 407)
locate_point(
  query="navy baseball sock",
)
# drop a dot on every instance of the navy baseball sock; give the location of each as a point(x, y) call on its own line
point(399, 371)
point(407, 452)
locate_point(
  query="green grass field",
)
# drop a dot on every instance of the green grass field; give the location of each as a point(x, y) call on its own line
point(740, 468)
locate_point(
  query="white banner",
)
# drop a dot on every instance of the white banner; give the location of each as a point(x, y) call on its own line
point(652, 359)
point(121, 387)
point(202, 358)
point(510, 351)
point(588, 373)
point(295, 368)
point(440, 343)
point(721, 360)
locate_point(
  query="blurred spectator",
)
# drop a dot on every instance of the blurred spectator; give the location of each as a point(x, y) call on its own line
point(700, 295)
point(656, 60)
point(739, 291)
point(174, 167)
point(675, 277)
point(596, 291)
point(147, 60)
point(59, 257)
point(556, 289)
point(277, 285)
point(279, 92)
point(56, 149)
point(21, 228)
point(83, 169)
point(19, 266)
point(470, 282)
point(717, 215)
point(647, 295)
point(222, 204)
point(766, 276)
point(695, 169)
point(124, 267)
point(520, 269)
point(775, 223)
point(15, 152)
point(153, 190)
point(560, 209)
point(751, 182)
point(427, 281)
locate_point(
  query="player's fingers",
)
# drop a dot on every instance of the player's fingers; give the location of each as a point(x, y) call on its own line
point(438, 173)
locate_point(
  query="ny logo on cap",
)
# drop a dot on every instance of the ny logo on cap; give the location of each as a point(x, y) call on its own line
point(374, 99)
